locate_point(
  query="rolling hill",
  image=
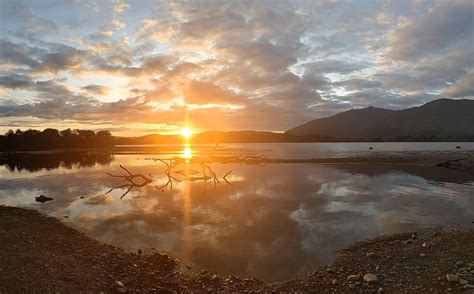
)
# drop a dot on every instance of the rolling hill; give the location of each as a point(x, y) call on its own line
point(439, 119)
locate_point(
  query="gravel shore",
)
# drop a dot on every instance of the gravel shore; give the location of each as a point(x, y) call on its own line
point(40, 254)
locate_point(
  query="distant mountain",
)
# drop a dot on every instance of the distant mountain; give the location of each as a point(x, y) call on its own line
point(213, 137)
point(442, 119)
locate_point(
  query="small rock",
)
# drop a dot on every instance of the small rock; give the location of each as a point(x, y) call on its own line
point(380, 290)
point(468, 286)
point(118, 284)
point(459, 263)
point(370, 278)
point(463, 282)
point(43, 199)
point(424, 245)
point(139, 251)
point(188, 267)
point(452, 278)
point(351, 286)
point(120, 287)
point(334, 281)
point(353, 278)
point(422, 255)
point(370, 254)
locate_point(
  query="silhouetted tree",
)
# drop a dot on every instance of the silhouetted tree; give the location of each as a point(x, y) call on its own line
point(54, 139)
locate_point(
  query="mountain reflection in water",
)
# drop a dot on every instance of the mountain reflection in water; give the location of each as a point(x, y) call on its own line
point(272, 222)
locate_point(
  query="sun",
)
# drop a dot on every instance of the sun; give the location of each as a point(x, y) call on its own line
point(187, 132)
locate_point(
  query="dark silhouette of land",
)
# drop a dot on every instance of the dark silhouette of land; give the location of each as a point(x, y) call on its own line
point(439, 120)
point(54, 139)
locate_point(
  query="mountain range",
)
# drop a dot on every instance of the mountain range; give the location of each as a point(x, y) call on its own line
point(442, 119)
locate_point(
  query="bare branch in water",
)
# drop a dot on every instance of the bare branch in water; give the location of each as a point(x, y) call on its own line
point(463, 164)
point(131, 181)
point(207, 172)
point(224, 177)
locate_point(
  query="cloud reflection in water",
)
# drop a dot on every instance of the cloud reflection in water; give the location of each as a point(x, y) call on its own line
point(273, 222)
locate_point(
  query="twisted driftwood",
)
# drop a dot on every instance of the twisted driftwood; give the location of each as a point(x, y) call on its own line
point(169, 167)
point(465, 163)
point(131, 181)
point(207, 176)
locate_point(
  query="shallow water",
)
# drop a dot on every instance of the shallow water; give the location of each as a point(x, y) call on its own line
point(307, 150)
point(273, 222)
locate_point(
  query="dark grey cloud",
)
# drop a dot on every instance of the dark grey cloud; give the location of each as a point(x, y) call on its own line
point(53, 58)
point(15, 81)
point(68, 58)
point(17, 54)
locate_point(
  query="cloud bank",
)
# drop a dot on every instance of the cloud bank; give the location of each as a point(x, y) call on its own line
point(143, 66)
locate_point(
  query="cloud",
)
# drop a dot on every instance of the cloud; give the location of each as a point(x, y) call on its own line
point(16, 10)
point(197, 92)
point(41, 26)
point(16, 54)
point(15, 81)
point(66, 59)
point(229, 61)
point(95, 89)
point(333, 66)
point(442, 27)
point(464, 88)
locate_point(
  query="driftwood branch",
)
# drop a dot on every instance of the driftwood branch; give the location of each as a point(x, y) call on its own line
point(131, 180)
point(208, 175)
point(465, 163)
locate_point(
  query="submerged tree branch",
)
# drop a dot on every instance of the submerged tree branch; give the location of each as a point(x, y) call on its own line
point(465, 163)
point(131, 181)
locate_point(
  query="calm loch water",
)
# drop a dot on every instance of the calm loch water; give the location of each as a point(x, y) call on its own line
point(273, 221)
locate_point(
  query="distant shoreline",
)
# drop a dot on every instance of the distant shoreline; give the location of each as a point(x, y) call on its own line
point(72, 139)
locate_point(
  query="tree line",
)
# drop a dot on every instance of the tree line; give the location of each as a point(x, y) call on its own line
point(54, 139)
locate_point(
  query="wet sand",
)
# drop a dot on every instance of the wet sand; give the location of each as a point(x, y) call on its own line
point(40, 254)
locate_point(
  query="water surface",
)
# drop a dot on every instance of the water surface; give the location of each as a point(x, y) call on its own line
point(273, 221)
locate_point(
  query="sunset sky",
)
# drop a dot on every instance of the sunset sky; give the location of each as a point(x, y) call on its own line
point(137, 67)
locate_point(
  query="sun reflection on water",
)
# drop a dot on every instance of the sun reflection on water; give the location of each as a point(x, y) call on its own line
point(187, 152)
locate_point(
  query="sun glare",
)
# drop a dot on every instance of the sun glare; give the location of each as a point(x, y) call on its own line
point(186, 132)
point(187, 153)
